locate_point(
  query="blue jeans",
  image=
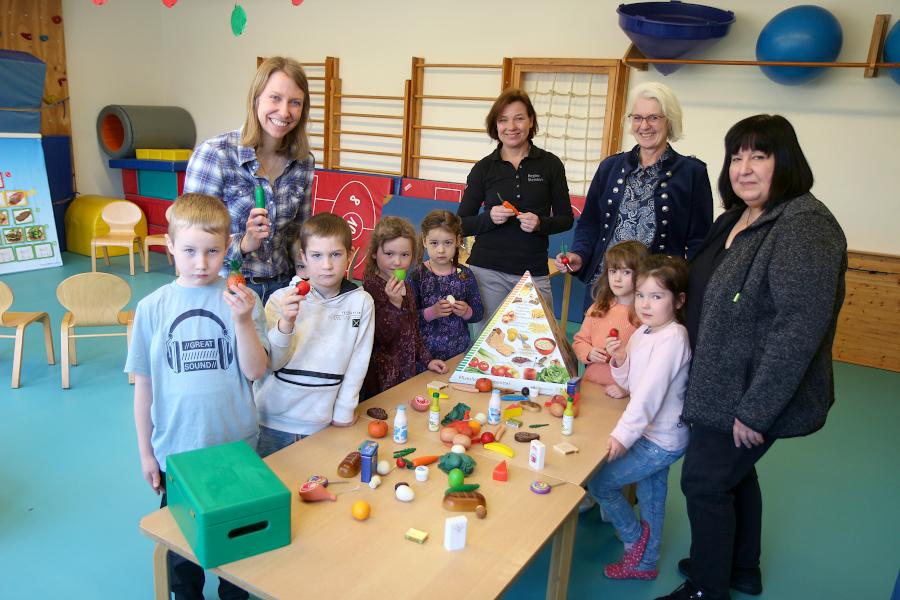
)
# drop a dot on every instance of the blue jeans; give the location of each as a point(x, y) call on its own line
point(272, 440)
point(648, 465)
point(265, 287)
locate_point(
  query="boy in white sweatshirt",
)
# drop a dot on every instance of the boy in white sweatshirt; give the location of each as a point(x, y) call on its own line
point(321, 342)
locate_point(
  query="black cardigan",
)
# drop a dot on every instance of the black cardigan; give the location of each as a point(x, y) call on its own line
point(767, 323)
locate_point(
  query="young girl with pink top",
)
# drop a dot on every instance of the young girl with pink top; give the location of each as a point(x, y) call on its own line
point(649, 436)
point(613, 295)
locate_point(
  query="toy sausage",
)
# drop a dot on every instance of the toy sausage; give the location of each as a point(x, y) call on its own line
point(463, 501)
point(350, 466)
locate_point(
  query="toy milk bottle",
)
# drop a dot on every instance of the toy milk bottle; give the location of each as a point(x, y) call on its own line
point(400, 425)
point(434, 413)
point(568, 418)
point(494, 408)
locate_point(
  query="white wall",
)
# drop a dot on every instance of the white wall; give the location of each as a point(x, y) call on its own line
point(186, 56)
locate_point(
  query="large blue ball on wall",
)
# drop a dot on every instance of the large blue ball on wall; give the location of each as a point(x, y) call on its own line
point(892, 50)
point(804, 34)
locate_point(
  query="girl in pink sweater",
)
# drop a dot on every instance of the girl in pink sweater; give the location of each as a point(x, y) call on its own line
point(649, 436)
point(611, 311)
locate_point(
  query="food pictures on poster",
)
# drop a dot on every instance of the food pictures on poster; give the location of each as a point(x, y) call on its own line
point(4, 218)
point(13, 235)
point(22, 216)
point(16, 198)
point(520, 345)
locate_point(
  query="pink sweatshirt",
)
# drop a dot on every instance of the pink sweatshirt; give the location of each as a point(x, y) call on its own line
point(593, 334)
point(656, 374)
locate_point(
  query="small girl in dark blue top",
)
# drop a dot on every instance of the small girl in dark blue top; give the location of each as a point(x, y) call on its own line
point(446, 293)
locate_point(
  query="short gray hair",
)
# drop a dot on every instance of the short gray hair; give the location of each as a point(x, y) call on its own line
point(668, 103)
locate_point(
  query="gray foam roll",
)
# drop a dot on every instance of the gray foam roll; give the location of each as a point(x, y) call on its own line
point(122, 129)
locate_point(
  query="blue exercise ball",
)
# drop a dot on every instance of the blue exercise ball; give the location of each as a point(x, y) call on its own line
point(803, 33)
point(892, 50)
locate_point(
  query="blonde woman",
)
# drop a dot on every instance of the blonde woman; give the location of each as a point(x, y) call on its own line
point(271, 151)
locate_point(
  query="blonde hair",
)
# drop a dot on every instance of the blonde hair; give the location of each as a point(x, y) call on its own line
point(296, 143)
point(202, 211)
point(668, 104)
point(387, 229)
point(624, 255)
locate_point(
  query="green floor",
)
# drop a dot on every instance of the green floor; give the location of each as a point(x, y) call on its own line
point(72, 493)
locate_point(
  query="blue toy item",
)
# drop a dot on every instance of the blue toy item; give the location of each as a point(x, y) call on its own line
point(804, 34)
point(672, 29)
point(21, 87)
point(892, 50)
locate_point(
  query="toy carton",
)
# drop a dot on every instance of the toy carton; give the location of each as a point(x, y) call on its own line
point(228, 503)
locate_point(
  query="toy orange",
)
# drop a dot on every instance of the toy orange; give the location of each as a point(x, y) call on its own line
point(360, 510)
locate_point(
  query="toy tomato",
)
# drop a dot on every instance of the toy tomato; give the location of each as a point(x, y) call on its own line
point(483, 384)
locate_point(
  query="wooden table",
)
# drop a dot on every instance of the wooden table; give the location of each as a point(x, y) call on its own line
point(351, 559)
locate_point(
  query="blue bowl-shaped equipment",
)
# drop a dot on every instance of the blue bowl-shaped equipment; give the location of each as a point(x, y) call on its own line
point(672, 29)
point(892, 50)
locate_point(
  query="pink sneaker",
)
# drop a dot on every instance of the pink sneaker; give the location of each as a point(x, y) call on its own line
point(620, 571)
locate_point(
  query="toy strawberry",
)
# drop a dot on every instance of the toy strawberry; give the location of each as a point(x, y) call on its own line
point(235, 277)
point(303, 287)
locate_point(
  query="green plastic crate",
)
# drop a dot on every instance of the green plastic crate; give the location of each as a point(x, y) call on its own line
point(228, 503)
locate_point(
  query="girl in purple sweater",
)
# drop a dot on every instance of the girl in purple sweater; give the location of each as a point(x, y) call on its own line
point(649, 436)
point(398, 352)
point(446, 293)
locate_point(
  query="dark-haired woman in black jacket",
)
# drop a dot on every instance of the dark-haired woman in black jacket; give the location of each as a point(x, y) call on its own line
point(764, 294)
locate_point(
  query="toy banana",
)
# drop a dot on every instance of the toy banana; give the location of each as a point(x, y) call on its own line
point(500, 448)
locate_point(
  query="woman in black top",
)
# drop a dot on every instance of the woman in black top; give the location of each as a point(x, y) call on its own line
point(764, 294)
point(512, 239)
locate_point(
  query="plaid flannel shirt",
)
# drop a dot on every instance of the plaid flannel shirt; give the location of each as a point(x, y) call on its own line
point(221, 167)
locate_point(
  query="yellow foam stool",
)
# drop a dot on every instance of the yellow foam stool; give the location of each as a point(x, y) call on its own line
point(84, 223)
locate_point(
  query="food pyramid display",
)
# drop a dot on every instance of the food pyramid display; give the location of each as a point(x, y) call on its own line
point(522, 345)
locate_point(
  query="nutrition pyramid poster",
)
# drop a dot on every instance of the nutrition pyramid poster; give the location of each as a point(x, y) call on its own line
point(522, 345)
point(27, 230)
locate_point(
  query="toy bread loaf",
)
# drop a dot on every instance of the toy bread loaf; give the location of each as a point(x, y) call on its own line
point(350, 466)
point(463, 501)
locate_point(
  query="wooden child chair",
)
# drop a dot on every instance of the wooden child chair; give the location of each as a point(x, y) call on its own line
point(158, 239)
point(19, 321)
point(92, 300)
point(121, 216)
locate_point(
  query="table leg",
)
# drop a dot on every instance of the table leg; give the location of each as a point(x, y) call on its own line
point(561, 557)
point(161, 572)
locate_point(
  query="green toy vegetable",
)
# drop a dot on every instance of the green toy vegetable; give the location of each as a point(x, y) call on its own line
point(403, 452)
point(468, 487)
point(463, 462)
point(457, 414)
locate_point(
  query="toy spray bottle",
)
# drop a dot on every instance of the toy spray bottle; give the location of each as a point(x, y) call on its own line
point(568, 418)
point(434, 413)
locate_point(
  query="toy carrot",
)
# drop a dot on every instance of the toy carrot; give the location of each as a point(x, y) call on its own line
point(424, 460)
point(508, 204)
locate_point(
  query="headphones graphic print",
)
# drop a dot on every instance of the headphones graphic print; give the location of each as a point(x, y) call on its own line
point(223, 349)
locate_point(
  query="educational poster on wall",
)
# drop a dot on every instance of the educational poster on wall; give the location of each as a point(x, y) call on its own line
point(27, 230)
point(522, 345)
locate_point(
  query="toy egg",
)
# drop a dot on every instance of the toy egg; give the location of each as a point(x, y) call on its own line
point(481, 418)
point(458, 449)
point(405, 493)
point(383, 468)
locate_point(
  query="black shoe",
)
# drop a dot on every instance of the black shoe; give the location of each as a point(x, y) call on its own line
point(686, 591)
point(746, 581)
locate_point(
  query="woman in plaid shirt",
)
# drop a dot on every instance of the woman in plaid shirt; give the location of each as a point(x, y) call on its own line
point(271, 151)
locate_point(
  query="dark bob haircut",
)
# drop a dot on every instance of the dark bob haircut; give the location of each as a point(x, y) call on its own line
point(774, 136)
point(504, 100)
